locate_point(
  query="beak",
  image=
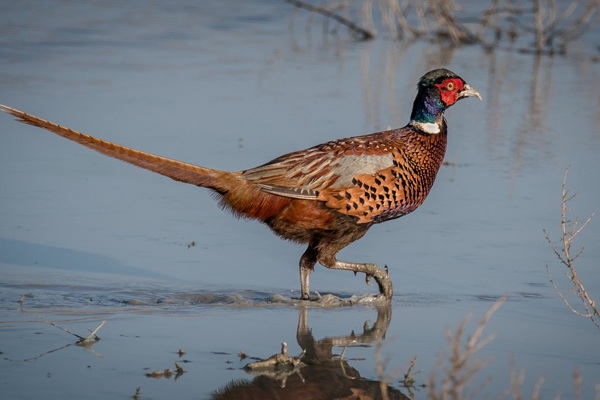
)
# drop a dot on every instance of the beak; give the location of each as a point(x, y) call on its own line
point(468, 91)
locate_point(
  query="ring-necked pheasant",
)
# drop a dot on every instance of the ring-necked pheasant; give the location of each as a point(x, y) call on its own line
point(329, 195)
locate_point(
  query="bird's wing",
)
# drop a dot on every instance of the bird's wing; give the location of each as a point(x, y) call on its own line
point(332, 165)
point(174, 169)
point(369, 177)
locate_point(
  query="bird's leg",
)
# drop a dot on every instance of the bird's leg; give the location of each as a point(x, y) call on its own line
point(371, 270)
point(307, 264)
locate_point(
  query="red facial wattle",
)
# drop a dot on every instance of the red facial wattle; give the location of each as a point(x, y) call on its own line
point(449, 89)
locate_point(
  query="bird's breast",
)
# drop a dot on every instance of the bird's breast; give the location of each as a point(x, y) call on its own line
point(396, 190)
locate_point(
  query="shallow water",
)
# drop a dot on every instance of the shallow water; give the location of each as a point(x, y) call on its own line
point(231, 85)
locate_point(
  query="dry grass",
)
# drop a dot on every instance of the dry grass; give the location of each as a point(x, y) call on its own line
point(516, 385)
point(457, 370)
point(460, 367)
point(385, 378)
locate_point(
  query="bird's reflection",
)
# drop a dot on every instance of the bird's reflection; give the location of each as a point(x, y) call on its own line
point(321, 375)
point(321, 351)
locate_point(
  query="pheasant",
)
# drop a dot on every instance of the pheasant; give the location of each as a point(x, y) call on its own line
point(329, 195)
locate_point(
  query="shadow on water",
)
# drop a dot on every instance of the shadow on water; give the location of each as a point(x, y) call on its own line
point(21, 253)
point(321, 374)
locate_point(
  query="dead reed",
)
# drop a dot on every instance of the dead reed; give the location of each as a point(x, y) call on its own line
point(385, 378)
point(551, 24)
point(460, 367)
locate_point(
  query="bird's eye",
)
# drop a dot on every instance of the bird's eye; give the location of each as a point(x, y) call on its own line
point(450, 85)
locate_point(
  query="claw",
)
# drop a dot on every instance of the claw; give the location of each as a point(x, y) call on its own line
point(368, 279)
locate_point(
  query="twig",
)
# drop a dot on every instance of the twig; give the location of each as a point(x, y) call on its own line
point(362, 33)
point(81, 338)
point(569, 231)
point(93, 333)
point(440, 20)
point(539, 26)
point(86, 343)
point(577, 382)
point(137, 393)
point(409, 379)
point(91, 338)
point(276, 360)
point(516, 384)
point(278, 366)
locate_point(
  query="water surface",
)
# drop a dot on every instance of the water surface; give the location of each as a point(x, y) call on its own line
point(231, 85)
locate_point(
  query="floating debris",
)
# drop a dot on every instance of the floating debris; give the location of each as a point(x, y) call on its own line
point(180, 370)
point(138, 392)
point(159, 373)
point(276, 360)
point(167, 373)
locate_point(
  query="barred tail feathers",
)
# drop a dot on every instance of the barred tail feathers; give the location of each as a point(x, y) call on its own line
point(243, 198)
point(174, 169)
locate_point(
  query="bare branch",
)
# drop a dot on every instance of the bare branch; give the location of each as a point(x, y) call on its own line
point(569, 231)
point(90, 339)
point(362, 33)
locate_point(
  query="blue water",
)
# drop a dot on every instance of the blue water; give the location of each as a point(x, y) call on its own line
point(231, 85)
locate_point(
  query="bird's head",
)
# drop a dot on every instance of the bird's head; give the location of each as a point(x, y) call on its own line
point(438, 90)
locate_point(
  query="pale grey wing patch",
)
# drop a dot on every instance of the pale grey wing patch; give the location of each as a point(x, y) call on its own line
point(347, 167)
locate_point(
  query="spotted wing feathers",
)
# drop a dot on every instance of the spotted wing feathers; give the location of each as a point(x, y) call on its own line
point(368, 177)
point(373, 178)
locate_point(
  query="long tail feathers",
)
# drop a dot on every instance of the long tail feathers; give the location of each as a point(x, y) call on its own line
point(174, 169)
